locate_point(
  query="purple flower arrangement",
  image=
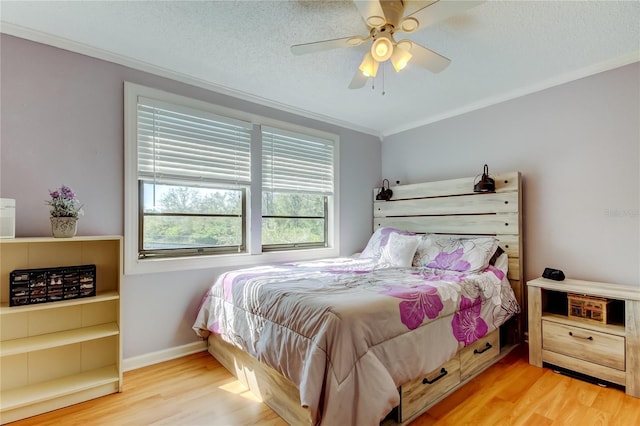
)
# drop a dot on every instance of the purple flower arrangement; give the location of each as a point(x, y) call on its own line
point(64, 203)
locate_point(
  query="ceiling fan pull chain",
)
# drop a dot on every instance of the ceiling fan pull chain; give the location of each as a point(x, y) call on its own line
point(383, 79)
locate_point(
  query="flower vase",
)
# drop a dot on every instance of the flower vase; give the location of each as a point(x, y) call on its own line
point(64, 227)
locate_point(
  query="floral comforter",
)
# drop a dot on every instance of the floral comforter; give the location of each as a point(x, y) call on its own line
point(348, 332)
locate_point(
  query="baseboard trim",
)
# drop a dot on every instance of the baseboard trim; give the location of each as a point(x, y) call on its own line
point(145, 360)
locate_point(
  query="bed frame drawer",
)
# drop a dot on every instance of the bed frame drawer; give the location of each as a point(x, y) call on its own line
point(479, 354)
point(585, 344)
point(416, 395)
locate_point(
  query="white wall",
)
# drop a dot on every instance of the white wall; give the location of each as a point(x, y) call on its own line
point(577, 146)
point(62, 123)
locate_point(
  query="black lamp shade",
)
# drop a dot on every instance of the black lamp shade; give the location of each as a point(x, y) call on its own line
point(486, 183)
point(385, 193)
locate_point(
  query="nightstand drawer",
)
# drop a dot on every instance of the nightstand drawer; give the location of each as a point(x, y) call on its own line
point(417, 394)
point(479, 354)
point(583, 343)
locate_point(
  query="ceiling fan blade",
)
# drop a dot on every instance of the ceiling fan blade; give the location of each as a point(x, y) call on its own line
point(426, 58)
point(435, 12)
point(358, 81)
point(371, 12)
point(319, 46)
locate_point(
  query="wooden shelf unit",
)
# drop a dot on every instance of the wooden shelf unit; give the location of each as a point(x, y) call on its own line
point(60, 353)
point(609, 352)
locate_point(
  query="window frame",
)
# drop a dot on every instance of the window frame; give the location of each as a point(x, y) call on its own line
point(287, 156)
point(254, 253)
point(191, 251)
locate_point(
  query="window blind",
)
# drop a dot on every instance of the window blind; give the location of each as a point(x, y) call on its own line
point(179, 143)
point(294, 162)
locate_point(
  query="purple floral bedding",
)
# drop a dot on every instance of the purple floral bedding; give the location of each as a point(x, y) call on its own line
point(348, 331)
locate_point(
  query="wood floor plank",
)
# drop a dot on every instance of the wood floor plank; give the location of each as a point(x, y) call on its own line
point(534, 419)
point(628, 414)
point(608, 401)
point(196, 390)
point(496, 412)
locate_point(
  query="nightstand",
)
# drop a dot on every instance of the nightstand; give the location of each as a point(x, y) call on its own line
point(609, 351)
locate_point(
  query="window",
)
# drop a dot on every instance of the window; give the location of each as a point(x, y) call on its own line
point(187, 220)
point(198, 175)
point(297, 183)
point(193, 170)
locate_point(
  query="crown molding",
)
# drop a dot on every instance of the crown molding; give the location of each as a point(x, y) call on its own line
point(568, 77)
point(105, 55)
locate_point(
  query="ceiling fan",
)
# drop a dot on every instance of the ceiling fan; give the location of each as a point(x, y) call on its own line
point(385, 18)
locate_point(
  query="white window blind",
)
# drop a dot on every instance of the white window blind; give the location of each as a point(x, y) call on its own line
point(294, 162)
point(179, 143)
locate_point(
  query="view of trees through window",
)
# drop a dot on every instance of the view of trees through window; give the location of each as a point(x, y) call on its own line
point(291, 218)
point(185, 216)
point(180, 216)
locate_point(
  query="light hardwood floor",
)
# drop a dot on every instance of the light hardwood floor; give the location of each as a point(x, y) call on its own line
point(197, 390)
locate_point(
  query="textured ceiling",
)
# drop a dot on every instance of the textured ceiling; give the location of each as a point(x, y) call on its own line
point(499, 50)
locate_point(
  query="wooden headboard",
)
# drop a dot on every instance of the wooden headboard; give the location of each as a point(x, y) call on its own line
point(451, 207)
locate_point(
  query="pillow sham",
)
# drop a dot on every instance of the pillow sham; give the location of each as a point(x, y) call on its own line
point(379, 240)
point(399, 250)
point(468, 255)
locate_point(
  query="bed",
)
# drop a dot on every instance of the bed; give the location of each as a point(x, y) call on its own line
point(430, 302)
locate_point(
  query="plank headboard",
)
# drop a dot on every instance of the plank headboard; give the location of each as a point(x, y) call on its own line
point(451, 207)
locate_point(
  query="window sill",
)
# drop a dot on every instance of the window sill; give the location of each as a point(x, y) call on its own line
point(148, 266)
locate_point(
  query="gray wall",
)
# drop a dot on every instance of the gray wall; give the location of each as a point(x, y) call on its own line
point(577, 148)
point(62, 123)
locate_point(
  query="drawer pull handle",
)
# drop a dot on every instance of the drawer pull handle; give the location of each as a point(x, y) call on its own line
point(486, 348)
point(580, 337)
point(443, 372)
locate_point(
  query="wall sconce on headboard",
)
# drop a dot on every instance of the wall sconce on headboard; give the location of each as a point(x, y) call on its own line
point(384, 194)
point(486, 183)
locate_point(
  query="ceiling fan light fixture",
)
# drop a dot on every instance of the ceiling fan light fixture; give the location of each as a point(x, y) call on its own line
point(376, 21)
point(369, 66)
point(400, 58)
point(381, 49)
point(409, 25)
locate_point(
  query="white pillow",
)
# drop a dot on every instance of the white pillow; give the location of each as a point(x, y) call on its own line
point(399, 250)
point(379, 240)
